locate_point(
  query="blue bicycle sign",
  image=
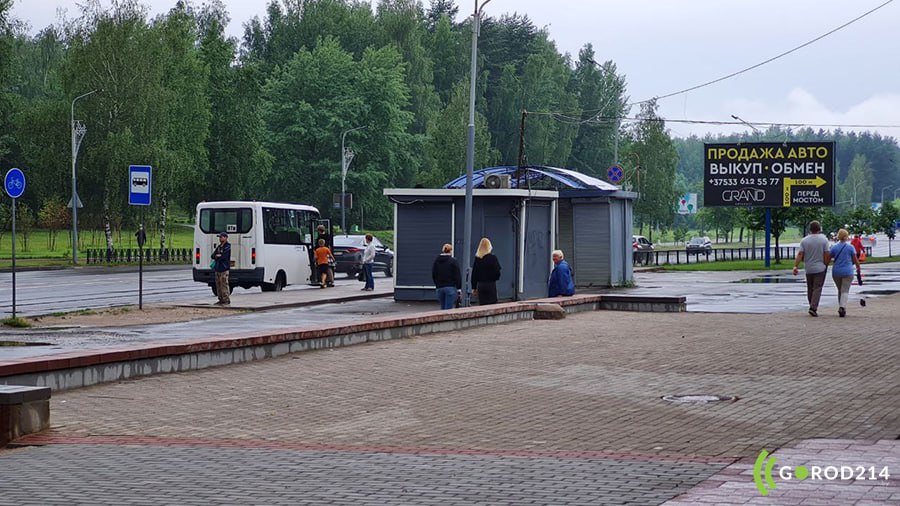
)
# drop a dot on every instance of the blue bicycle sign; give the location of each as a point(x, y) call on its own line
point(14, 183)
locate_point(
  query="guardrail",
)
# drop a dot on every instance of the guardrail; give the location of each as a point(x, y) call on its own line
point(128, 255)
point(678, 257)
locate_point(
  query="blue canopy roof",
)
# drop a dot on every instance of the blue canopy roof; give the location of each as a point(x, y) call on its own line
point(537, 177)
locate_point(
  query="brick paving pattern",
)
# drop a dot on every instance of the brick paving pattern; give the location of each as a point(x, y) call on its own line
point(58, 474)
point(586, 389)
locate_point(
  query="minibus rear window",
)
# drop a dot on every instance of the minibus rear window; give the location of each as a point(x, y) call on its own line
point(230, 221)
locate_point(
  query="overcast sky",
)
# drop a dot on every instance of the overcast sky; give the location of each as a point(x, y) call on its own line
point(850, 77)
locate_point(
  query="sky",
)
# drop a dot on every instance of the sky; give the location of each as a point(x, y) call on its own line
point(850, 77)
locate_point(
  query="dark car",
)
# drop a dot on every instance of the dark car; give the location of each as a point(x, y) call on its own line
point(348, 253)
point(642, 249)
point(699, 245)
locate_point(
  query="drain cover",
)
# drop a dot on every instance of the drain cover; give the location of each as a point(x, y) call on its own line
point(699, 399)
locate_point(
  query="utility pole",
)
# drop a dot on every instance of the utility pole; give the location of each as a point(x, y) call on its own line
point(470, 158)
point(78, 130)
point(521, 166)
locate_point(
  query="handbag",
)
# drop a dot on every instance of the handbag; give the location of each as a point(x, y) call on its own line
point(361, 276)
point(212, 265)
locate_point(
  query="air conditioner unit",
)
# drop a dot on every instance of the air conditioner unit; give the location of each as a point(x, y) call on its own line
point(497, 181)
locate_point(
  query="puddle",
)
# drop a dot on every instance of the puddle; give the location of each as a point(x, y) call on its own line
point(879, 292)
point(20, 343)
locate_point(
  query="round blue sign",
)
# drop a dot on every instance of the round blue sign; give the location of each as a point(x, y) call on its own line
point(615, 174)
point(14, 183)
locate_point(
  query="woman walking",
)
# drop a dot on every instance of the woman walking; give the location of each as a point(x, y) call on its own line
point(843, 254)
point(446, 277)
point(485, 273)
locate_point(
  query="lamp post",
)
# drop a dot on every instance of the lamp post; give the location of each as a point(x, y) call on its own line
point(856, 187)
point(78, 131)
point(882, 193)
point(470, 157)
point(346, 157)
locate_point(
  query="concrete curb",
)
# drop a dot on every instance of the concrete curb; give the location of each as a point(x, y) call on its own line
point(286, 305)
point(90, 367)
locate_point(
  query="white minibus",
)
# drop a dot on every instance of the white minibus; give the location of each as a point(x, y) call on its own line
point(271, 243)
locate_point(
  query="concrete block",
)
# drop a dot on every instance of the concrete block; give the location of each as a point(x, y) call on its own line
point(549, 312)
point(23, 410)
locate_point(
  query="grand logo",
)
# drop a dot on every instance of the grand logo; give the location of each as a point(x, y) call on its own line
point(744, 196)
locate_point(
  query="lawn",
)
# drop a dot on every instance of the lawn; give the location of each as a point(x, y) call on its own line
point(758, 265)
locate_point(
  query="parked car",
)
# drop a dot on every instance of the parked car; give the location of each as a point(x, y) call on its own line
point(348, 252)
point(641, 249)
point(699, 245)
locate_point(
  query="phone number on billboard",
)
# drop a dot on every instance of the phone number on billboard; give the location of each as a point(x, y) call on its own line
point(758, 181)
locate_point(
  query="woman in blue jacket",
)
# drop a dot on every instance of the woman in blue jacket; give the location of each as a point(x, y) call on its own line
point(561, 278)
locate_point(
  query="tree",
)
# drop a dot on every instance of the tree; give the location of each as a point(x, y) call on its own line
point(857, 186)
point(658, 159)
point(886, 221)
point(446, 145)
point(448, 51)
point(6, 107)
point(438, 10)
point(602, 101)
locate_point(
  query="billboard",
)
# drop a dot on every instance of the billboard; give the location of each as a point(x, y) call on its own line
point(769, 174)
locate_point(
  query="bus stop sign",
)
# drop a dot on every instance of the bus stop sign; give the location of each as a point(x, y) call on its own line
point(139, 185)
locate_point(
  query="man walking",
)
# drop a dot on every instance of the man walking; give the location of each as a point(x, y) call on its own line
point(368, 261)
point(815, 257)
point(222, 257)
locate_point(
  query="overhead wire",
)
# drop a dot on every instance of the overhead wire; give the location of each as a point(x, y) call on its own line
point(770, 60)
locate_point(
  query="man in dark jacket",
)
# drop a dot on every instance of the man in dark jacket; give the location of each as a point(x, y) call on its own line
point(561, 278)
point(222, 256)
point(446, 277)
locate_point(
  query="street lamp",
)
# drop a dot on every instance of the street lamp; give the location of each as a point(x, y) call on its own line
point(856, 187)
point(749, 125)
point(346, 157)
point(882, 192)
point(78, 131)
point(470, 157)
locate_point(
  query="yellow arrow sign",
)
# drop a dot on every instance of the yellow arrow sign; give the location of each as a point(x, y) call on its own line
point(818, 182)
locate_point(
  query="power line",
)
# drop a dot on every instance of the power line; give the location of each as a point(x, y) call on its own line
point(563, 118)
point(760, 64)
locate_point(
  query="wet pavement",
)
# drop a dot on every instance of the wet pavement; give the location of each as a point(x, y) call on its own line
point(761, 292)
point(712, 292)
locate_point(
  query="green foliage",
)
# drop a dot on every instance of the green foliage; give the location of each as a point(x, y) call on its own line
point(658, 159)
point(16, 322)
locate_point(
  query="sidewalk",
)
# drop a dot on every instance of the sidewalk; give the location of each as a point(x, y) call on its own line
point(547, 412)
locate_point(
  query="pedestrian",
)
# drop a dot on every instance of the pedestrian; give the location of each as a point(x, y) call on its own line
point(321, 234)
point(844, 255)
point(858, 246)
point(561, 278)
point(815, 257)
point(485, 273)
point(222, 257)
point(323, 256)
point(446, 277)
point(368, 261)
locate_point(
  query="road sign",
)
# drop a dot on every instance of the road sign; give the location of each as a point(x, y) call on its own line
point(615, 174)
point(336, 200)
point(769, 174)
point(14, 182)
point(687, 204)
point(140, 183)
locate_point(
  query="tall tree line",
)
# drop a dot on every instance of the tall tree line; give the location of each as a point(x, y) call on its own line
point(262, 117)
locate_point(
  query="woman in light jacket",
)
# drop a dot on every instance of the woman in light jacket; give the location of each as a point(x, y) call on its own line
point(843, 254)
point(485, 273)
point(368, 261)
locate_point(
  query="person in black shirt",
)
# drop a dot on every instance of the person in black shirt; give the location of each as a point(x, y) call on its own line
point(485, 273)
point(446, 277)
point(222, 258)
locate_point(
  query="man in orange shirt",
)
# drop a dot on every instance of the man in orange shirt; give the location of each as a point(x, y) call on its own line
point(323, 255)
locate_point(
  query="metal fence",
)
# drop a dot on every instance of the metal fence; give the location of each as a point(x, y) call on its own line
point(128, 255)
point(678, 257)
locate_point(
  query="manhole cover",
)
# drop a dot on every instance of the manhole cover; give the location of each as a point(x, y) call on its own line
point(699, 399)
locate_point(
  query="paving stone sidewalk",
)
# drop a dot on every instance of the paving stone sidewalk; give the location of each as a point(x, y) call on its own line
point(544, 399)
